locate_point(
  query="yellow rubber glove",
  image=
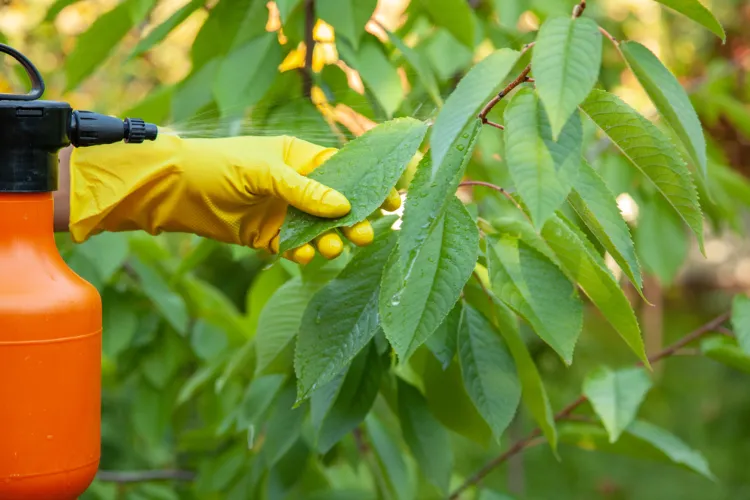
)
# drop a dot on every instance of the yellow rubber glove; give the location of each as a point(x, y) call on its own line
point(235, 190)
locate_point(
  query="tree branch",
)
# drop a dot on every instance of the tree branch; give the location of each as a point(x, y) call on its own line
point(609, 35)
point(526, 442)
point(515, 83)
point(307, 78)
point(144, 476)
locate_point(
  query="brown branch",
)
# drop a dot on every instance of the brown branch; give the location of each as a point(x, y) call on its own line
point(307, 73)
point(515, 83)
point(725, 331)
point(526, 442)
point(144, 476)
point(609, 35)
point(493, 124)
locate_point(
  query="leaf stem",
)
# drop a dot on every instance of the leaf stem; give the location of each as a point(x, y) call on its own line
point(499, 190)
point(610, 36)
point(563, 414)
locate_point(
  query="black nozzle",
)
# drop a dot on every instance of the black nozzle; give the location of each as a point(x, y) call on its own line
point(91, 129)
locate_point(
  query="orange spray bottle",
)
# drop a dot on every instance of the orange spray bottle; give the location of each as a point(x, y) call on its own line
point(50, 319)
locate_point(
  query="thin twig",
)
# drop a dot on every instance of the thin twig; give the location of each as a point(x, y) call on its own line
point(524, 443)
point(307, 73)
point(144, 476)
point(493, 124)
point(609, 35)
point(725, 331)
point(360, 440)
point(515, 83)
point(499, 190)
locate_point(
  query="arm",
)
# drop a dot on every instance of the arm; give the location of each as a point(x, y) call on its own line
point(235, 190)
point(62, 195)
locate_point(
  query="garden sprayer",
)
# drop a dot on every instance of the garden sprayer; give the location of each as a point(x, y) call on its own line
point(50, 318)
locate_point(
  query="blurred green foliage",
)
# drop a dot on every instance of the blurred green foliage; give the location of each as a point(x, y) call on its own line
point(198, 336)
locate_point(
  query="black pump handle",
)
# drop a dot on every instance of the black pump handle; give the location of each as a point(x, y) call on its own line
point(37, 83)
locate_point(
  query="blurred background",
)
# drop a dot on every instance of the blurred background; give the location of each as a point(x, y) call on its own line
point(181, 313)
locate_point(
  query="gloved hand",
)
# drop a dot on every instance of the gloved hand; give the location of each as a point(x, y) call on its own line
point(235, 190)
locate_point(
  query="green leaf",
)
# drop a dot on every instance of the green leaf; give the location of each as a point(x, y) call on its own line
point(428, 441)
point(649, 150)
point(472, 92)
point(258, 397)
point(246, 74)
point(431, 191)
point(208, 302)
point(262, 289)
point(488, 371)
point(364, 171)
point(537, 290)
point(641, 440)
point(169, 304)
point(56, 8)
point(207, 340)
point(741, 321)
point(698, 13)
point(669, 98)
point(341, 318)
point(415, 300)
point(342, 404)
point(280, 320)
point(584, 265)
point(284, 426)
point(160, 32)
point(532, 387)
point(616, 396)
point(566, 61)
point(229, 24)
point(543, 170)
point(448, 401)
point(671, 446)
point(198, 254)
point(420, 65)
point(597, 207)
point(378, 73)
point(107, 252)
point(198, 380)
point(444, 342)
point(347, 17)
point(657, 223)
point(155, 107)
point(195, 91)
point(95, 45)
point(455, 16)
point(285, 8)
point(725, 351)
point(391, 459)
point(120, 322)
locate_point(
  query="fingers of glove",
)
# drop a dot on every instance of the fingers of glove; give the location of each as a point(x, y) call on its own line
point(303, 156)
point(329, 245)
point(301, 255)
point(307, 195)
point(393, 202)
point(361, 233)
point(274, 244)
